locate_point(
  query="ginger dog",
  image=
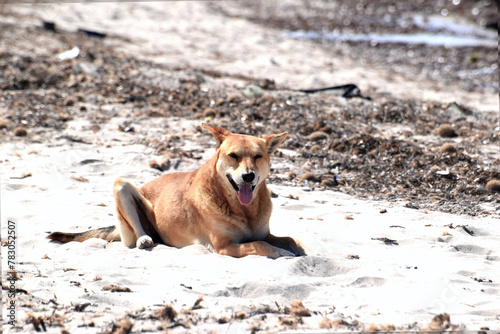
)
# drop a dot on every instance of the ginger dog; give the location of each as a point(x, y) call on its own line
point(224, 205)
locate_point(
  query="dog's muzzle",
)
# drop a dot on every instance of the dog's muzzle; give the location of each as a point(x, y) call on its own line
point(245, 189)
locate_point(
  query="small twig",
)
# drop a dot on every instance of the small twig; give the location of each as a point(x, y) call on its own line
point(387, 241)
point(348, 91)
point(466, 229)
point(22, 176)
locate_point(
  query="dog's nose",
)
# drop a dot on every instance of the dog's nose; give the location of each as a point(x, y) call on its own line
point(248, 177)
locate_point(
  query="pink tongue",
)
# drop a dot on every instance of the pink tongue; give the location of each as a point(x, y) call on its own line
point(245, 193)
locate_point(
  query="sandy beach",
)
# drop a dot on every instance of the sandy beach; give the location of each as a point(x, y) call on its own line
point(386, 259)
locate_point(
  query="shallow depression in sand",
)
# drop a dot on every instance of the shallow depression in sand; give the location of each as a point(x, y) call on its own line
point(315, 266)
point(258, 289)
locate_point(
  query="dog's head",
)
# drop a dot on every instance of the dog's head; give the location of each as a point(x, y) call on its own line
point(243, 161)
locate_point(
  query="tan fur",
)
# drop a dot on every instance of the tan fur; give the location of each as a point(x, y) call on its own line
point(109, 233)
point(202, 206)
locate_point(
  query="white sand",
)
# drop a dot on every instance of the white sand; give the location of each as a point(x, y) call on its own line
point(426, 274)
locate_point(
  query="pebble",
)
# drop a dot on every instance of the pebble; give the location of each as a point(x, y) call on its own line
point(253, 91)
point(446, 130)
point(162, 164)
point(4, 124)
point(69, 101)
point(448, 148)
point(493, 185)
point(234, 97)
point(315, 148)
point(20, 132)
point(318, 135)
point(209, 112)
point(330, 182)
point(240, 315)
point(308, 177)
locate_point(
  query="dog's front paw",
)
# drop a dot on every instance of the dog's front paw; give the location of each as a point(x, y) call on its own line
point(298, 248)
point(283, 252)
point(144, 242)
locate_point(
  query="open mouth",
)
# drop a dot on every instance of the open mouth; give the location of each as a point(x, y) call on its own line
point(244, 190)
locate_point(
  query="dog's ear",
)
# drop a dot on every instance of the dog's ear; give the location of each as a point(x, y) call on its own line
point(273, 141)
point(219, 133)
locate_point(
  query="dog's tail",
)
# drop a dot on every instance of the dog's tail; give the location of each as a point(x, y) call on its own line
point(109, 233)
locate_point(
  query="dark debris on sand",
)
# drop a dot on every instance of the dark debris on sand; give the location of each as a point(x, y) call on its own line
point(345, 143)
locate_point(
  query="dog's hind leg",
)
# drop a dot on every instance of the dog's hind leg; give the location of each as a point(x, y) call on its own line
point(133, 210)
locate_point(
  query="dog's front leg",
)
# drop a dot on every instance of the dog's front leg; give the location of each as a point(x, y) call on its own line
point(252, 248)
point(290, 244)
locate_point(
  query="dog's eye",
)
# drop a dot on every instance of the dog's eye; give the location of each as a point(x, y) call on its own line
point(233, 155)
point(258, 156)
